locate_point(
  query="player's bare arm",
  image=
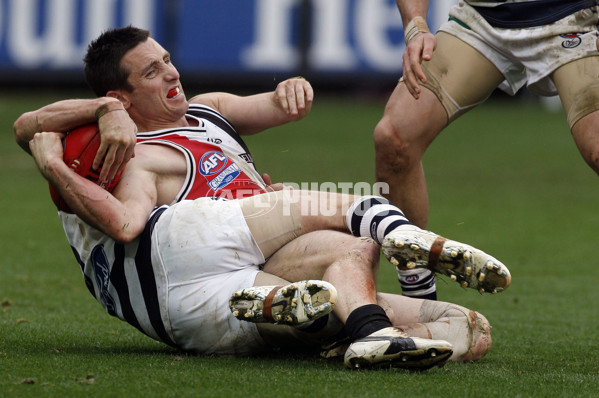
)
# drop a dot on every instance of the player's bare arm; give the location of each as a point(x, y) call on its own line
point(290, 101)
point(123, 218)
point(116, 128)
point(59, 116)
point(420, 43)
point(118, 132)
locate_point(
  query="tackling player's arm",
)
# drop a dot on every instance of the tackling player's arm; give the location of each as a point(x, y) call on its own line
point(122, 216)
point(420, 43)
point(117, 130)
point(410, 9)
point(290, 101)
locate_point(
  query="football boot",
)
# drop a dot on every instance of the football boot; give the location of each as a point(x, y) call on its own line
point(392, 348)
point(470, 267)
point(292, 304)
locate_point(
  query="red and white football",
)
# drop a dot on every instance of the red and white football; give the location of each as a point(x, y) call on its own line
point(80, 147)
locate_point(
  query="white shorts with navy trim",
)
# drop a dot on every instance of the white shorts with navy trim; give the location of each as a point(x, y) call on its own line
point(529, 55)
point(206, 252)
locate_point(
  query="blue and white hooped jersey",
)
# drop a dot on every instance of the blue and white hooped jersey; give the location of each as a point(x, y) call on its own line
point(122, 277)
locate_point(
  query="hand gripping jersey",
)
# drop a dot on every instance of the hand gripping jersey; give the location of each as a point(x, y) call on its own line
point(128, 279)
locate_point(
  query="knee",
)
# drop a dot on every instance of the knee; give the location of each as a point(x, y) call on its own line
point(388, 138)
point(394, 151)
point(592, 158)
point(358, 253)
point(587, 144)
point(468, 331)
point(358, 260)
point(365, 251)
point(480, 342)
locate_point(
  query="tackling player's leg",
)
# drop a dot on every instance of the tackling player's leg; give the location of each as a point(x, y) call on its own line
point(408, 247)
point(408, 126)
point(578, 89)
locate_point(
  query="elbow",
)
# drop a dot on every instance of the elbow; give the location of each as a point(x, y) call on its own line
point(20, 132)
point(24, 129)
point(124, 234)
point(122, 230)
point(121, 222)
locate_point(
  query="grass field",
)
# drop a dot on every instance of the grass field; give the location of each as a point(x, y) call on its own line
point(506, 178)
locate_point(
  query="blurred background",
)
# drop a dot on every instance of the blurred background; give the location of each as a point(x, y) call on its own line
point(337, 44)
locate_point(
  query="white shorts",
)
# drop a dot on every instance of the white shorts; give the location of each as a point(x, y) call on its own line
point(527, 55)
point(205, 252)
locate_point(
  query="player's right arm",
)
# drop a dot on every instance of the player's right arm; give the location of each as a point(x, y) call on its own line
point(289, 102)
point(117, 129)
point(122, 215)
point(420, 43)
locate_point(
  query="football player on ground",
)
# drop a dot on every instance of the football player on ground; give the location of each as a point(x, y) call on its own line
point(549, 45)
point(165, 253)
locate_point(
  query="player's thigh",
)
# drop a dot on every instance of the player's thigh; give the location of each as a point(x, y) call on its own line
point(272, 218)
point(459, 76)
point(408, 124)
point(266, 279)
point(276, 218)
point(309, 256)
point(578, 87)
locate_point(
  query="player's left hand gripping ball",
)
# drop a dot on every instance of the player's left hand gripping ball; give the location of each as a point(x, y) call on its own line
point(80, 147)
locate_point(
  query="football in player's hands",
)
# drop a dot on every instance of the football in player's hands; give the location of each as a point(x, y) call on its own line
point(80, 147)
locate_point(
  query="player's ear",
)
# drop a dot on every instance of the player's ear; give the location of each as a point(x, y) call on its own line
point(121, 96)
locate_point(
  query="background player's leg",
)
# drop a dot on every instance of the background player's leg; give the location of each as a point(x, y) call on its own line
point(578, 89)
point(459, 78)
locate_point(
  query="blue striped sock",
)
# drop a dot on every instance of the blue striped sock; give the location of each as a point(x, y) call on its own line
point(419, 283)
point(375, 217)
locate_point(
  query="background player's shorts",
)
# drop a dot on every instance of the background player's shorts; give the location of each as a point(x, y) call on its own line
point(530, 54)
point(207, 253)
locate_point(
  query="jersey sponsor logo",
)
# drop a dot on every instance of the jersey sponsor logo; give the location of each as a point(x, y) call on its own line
point(572, 40)
point(247, 157)
point(102, 277)
point(218, 169)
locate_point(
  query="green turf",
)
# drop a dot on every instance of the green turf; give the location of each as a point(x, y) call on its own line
point(506, 178)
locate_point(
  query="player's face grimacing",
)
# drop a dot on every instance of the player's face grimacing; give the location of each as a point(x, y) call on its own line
point(157, 95)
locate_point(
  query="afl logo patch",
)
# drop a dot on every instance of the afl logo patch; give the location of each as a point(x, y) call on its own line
point(218, 169)
point(412, 278)
point(212, 162)
point(572, 40)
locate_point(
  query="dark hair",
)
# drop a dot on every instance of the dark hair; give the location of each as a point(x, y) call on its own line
point(103, 70)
